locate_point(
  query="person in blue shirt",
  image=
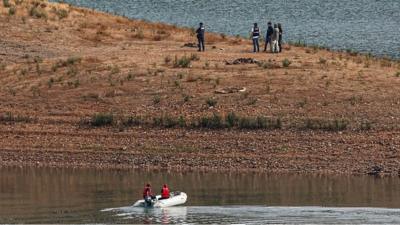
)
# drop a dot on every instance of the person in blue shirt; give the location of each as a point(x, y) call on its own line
point(268, 37)
point(200, 37)
point(255, 32)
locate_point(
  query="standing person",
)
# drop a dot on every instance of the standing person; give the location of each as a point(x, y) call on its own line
point(270, 31)
point(164, 192)
point(200, 37)
point(274, 39)
point(255, 32)
point(280, 37)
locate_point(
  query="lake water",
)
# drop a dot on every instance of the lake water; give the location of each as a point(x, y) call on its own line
point(364, 25)
point(44, 195)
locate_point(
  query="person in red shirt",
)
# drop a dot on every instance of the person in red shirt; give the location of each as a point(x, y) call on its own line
point(147, 193)
point(164, 192)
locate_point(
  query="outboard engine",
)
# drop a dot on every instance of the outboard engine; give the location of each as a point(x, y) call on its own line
point(148, 202)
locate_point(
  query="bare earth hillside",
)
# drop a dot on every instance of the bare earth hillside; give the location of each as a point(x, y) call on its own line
point(86, 89)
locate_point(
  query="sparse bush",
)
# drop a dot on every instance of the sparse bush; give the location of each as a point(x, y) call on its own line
point(322, 60)
point(62, 13)
point(397, 74)
point(50, 82)
point(6, 3)
point(38, 12)
point(132, 121)
point(194, 57)
point(327, 125)
point(12, 10)
point(231, 119)
point(8, 117)
point(365, 125)
point(213, 122)
point(183, 62)
point(211, 102)
point(167, 59)
point(286, 63)
point(156, 99)
point(186, 98)
point(102, 119)
point(139, 34)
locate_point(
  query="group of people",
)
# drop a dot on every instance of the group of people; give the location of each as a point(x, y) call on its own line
point(148, 193)
point(273, 37)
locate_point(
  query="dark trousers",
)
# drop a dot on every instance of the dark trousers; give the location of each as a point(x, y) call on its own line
point(256, 45)
point(201, 44)
point(268, 41)
point(280, 43)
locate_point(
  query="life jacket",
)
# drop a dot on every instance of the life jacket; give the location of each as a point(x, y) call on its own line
point(256, 32)
point(165, 192)
point(146, 192)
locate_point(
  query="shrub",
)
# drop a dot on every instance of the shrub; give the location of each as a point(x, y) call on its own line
point(211, 102)
point(322, 60)
point(286, 63)
point(9, 117)
point(62, 13)
point(213, 122)
point(12, 11)
point(397, 74)
point(194, 57)
point(6, 3)
point(132, 121)
point(102, 119)
point(231, 119)
point(38, 12)
point(183, 62)
point(156, 99)
point(167, 60)
point(327, 125)
point(365, 125)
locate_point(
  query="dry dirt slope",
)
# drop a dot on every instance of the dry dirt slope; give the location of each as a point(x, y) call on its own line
point(305, 110)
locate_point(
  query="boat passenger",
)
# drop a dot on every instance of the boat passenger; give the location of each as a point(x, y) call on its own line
point(147, 193)
point(164, 192)
point(200, 37)
point(255, 33)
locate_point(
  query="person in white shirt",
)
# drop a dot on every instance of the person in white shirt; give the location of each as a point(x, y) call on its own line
point(255, 33)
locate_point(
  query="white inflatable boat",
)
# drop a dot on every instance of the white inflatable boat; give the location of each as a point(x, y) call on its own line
point(176, 198)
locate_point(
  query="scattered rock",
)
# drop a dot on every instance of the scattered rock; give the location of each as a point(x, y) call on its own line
point(375, 171)
point(190, 45)
point(230, 90)
point(242, 61)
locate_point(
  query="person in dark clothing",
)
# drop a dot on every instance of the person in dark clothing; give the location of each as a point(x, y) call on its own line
point(270, 31)
point(200, 37)
point(280, 37)
point(255, 32)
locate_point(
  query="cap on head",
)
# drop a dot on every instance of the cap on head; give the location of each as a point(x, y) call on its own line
point(269, 23)
point(201, 24)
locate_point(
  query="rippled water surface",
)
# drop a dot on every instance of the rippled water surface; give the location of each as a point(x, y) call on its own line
point(43, 195)
point(363, 25)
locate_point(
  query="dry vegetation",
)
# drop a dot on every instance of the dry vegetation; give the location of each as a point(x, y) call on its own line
point(84, 88)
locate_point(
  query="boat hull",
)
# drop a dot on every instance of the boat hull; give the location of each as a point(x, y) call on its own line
point(178, 198)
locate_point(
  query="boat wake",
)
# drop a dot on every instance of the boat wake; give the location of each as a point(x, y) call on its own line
point(257, 214)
